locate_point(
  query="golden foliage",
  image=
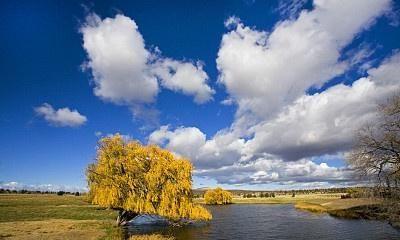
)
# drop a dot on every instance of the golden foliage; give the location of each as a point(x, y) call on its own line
point(218, 196)
point(142, 179)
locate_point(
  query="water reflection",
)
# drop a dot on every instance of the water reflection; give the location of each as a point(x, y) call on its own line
point(263, 221)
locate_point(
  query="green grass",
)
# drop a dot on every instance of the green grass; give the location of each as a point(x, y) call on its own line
point(38, 216)
point(41, 216)
point(29, 207)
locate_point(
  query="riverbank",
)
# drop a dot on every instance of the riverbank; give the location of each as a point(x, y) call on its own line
point(336, 204)
point(332, 204)
point(284, 199)
point(357, 208)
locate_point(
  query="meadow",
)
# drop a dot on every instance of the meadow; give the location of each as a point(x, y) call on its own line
point(48, 216)
point(42, 216)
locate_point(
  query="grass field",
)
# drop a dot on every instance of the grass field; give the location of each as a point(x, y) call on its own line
point(20, 207)
point(31, 216)
point(336, 205)
point(39, 216)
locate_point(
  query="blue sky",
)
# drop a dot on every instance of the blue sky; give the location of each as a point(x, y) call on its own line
point(258, 94)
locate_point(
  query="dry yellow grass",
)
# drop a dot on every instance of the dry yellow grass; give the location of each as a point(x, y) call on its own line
point(350, 203)
point(312, 207)
point(151, 237)
point(52, 229)
point(41, 216)
point(337, 204)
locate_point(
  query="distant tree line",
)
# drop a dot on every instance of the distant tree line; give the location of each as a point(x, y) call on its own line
point(348, 192)
point(249, 195)
point(25, 191)
point(261, 195)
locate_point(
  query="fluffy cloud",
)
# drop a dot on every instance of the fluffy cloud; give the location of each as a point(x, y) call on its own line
point(223, 149)
point(174, 75)
point(62, 117)
point(125, 72)
point(269, 170)
point(265, 71)
point(183, 141)
point(223, 158)
point(314, 125)
point(40, 187)
point(118, 60)
point(290, 9)
point(326, 122)
point(283, 149)
point(387, 74)
point(279, 130)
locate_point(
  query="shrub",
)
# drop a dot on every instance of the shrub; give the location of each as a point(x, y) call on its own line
point(344, 196)
point(60, 193)
point(218, 196)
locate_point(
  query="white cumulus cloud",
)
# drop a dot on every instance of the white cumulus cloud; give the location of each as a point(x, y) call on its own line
point(62, 117)
point(223, 149)
point(326, 122)
point(40, 187)
point(125, 72)
point(184, 77)
point(265, 71)
point(283, 149)
point(270, 170)
point(279, 130)
point(118, 60)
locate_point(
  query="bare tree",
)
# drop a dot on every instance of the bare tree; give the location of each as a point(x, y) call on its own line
point(376, 153)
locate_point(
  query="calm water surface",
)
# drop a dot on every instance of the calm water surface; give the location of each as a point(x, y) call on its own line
point(266, 221)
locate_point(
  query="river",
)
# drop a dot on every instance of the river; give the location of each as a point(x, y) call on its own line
point(267, 221)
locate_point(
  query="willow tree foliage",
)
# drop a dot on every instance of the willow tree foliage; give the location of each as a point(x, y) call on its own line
point(137, 179)
point(218, 196)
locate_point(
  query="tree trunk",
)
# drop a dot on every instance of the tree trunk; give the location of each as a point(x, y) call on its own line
point(125, 216)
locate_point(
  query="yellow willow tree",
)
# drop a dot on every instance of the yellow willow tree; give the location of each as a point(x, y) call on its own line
point(137, 179)
point(218, 196)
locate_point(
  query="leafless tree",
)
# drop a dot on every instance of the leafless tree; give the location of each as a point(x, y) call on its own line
point(376, 153)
